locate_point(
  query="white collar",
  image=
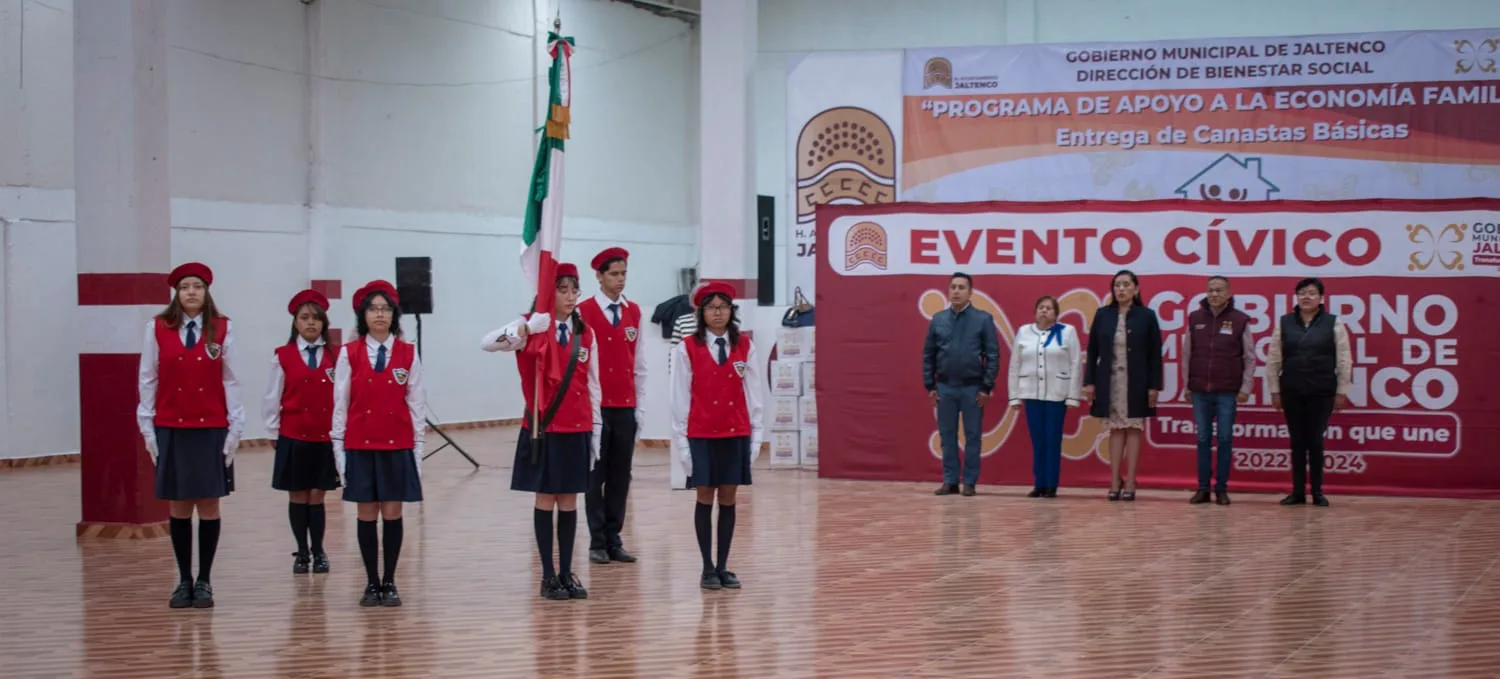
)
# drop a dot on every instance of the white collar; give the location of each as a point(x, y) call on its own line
point(303, 344)
point(389, 343)
point(197, 321)
point(713, 338)
point(604, 301)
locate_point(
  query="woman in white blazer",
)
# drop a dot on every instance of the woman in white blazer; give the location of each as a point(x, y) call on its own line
point(1045, 376)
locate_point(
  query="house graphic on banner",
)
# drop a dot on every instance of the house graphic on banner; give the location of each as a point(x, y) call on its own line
point(1229, 178)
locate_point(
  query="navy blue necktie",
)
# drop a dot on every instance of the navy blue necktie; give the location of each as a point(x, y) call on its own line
point(723, 351)
point(312, 357)
point(562, 335)
point(614, 314)
point(192, 338)
point(380, 359)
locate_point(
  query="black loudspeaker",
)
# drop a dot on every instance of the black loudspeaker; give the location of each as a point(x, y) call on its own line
point(414, 284)
point(765, 249)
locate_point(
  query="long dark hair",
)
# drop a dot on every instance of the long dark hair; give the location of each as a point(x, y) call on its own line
point(362, 326)
point(173, 314)
point(701, 334)
point(1124, 272)
point(575, 321)
point(322, 317)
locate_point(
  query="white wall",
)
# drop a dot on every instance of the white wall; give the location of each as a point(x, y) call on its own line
point(413, 137)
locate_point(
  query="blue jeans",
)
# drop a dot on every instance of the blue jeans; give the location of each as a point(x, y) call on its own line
point(1044, 421)
point(1208, 407)
point(952, 402)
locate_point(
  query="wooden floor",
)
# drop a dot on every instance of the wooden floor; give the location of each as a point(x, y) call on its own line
point(842, 579)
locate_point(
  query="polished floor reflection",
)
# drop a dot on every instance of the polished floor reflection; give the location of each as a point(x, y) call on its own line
point(842, 579)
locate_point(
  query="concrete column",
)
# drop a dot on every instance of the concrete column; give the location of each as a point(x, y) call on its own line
point(726, 58)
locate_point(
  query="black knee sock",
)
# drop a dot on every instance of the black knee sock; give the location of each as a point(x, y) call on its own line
point(567, 534)
point(369, 548)
point(726, 533)
point(394, 531)
point(704, 519)
point(317, 522)
point(297, 514)
point(208, 545)
point(182, 546)
point(541, 522)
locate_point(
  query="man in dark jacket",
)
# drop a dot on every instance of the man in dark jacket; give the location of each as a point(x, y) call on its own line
point(960, 360)
point(1218, 354)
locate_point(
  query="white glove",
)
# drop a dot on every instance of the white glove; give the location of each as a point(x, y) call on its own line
point(754, 449)
point(640, 424)
point(1071, 403)
point(338, 458)
point(151, 447)
point(594, 440)
point(416, 456)
point(230, 444)
point(684, 455)
point(538, 323)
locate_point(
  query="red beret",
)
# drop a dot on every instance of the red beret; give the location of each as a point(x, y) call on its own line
point(376, 286)
point(194, 269)
point(607, 255)
point(305, 297)
point(567, 270)
point(713, 288)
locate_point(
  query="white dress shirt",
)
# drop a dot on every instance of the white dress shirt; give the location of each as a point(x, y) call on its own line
point(604, 301)
point(270, 402)
point(145, 412)
point(416, 398)
point(508, 339)
point(681, 377)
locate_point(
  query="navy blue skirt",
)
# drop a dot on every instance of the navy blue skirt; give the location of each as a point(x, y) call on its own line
point(190, 464)
point(720, 462)
point(381, 476)
point(304, 465)
point(562, 467)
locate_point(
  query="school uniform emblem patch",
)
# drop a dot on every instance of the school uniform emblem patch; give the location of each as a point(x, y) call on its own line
point(630, 334)
point(214, 350)
point(739, 368)
point(400, 374)
point(329, 373)
point(583, 355)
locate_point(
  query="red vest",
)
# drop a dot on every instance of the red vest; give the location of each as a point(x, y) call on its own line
point(718, 409)
point(378, 417)
point(306, 394)
point(617, 347)
point(190, 382)
point(576, 412)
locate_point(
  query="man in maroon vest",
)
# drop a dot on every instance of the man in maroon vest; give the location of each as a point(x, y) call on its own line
point(1220, 357)
point(616, 323)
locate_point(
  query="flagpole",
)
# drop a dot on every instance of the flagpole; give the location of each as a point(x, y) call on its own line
point(536, 399)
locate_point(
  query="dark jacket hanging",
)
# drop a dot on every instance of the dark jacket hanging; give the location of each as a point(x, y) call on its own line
point(1143, 363)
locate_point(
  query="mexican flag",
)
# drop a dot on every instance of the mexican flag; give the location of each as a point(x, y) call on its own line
point(541, 238)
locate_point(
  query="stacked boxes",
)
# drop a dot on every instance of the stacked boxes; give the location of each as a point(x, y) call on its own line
point(794, 406)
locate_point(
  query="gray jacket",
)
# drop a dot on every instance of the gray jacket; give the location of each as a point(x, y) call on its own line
point(961, 350)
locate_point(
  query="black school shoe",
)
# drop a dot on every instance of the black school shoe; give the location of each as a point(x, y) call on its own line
point(389, 596)
point(302, 563)
point(203, 595)
point(574, 587)
point(371, 597)
point(711, 581)
point(182, 597)
point(553, 589)
point(729, 580)
point(320, 563)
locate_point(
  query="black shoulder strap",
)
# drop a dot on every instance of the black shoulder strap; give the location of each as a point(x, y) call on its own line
point(562, 387)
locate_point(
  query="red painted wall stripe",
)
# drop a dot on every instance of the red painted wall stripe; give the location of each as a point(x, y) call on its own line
point(123, 289)
point(332, 289)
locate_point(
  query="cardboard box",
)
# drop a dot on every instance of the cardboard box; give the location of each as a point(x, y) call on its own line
point(807, 411)
point(808, 385)
point(784, 414)
point(786, 449)
point(789, 344)
point(809, 452)
point(786, 378)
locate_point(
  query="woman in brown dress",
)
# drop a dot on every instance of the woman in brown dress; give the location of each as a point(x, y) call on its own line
point(1124, 362)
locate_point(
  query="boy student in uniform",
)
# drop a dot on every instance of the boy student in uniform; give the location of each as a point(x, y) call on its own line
point(716, 420)
point(616, 324)
point(555, 466)
point(298, 409)
point(191, 417)
point(379, 419)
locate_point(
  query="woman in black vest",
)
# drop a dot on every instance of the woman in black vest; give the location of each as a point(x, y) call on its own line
point(1124, 362)
point(1308, 367)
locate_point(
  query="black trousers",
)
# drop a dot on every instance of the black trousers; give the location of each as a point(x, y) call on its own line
point(609, 482)
point(1306, 420)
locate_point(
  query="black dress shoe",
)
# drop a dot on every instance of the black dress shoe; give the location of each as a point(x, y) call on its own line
point(598, 556)
point(1294, 499)
point(320, 563)
point(302, 563)
point(1037, 492)
point(553, 589)
point(1199, 498)
point(1051, 492)
point(1320, 500)
point(371, 597)
point(619, 554)
point(203, 595)
point(969, 491)
point(389, 596)
point(729, 580)
point(574, 587)
point(946, 489)
point(182, 597)
point(711, 581)
point(1221, 497)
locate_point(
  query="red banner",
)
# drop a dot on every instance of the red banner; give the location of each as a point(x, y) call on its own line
point(1409, 279)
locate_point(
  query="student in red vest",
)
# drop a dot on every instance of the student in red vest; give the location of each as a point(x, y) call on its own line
point(379, 419)
point(191, 417)
point(716, 419)
point(616, 324)
point(298, 409)
point(556, 466)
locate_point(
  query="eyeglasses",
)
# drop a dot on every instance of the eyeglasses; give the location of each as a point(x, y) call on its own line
point(380, 310)
point(719, 308)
